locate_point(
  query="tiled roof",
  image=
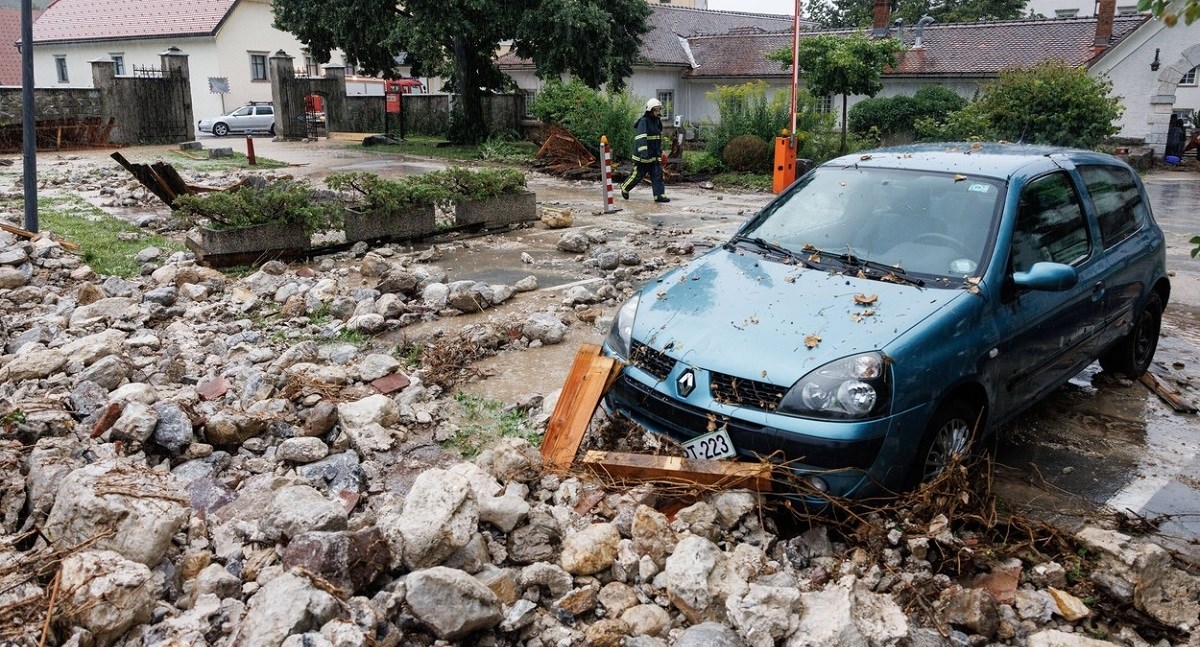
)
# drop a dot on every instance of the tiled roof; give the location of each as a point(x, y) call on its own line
point(10, 33)
point(87, 20)
point(960, 49)
point(661, 46)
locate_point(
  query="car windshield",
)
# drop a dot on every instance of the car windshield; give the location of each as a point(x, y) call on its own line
point(937, 224)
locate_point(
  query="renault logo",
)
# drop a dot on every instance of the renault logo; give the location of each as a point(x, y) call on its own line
point(686, 383)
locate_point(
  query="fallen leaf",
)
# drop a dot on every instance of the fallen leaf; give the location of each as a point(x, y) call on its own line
point(865, 299)
point(790, 278)
point(764, 373)
point(865, 158)
point(662, 294)
point(815, 258)
point(862, 274)
point(856, 318)
point(812, 341)
point(868, 313)
point(974, 280)
point(959, 178)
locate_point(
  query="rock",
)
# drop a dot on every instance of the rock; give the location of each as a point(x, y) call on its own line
point(700, 519)
point(732, 506)
point(590, 550)
point(87, 350)
point(652, 534)
point(848, 614)
point(435, 295)
point(557, 218)
point(527, 284)
point(349, 560)
point(574, 241)
point(537, 541)
point(34, 365)
point(132, 509)
point(709, 634)
point(227, 430)
point(1056, 638)
point(136, 423)
point(647, 620)
point(128, 590)
point(608, 261)
point(1068, 606)
point(514, 459)
point(376, 365)
point(453, 604)
point(520, 615)
point(698, 580)
point(440, 516)
point(764, 614)
point(320, 419)
point(216, 580)
point(1034, 605)
point(545, 328)
point(464, 296)
point(973, 610)
point(1141, 572)
point(298, 509)
point(680, 248)
point(108, 372)
point(174, 429)
point(302, 450)
point(11, 277)
point(576, 602)
point(339, 473)
point(545, 576)
point(369, 323)
point(365, 422)
point(286, 605)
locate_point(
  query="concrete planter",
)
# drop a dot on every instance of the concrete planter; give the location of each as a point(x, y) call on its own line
point(403, 224)
point(259, 238)
point(498, 211)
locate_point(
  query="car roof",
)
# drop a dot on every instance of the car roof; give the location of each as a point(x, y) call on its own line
point(991, 159)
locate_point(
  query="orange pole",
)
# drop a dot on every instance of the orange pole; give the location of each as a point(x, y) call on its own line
point(250, 149)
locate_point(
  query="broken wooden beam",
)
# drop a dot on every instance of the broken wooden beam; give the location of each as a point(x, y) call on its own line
point(25, 233)
point(676, 470)
point(589, 377)
point(1167, 393)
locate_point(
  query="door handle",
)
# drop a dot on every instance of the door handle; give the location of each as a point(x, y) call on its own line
point(1098, 291)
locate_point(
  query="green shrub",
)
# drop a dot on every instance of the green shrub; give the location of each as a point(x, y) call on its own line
point(368, 192)
point(747, 153)
point(745, 110)
point(282, 201)
point(1050, 103)
point(695, 162)
point(966, 125)
point(467, 184)
point(589, 114)
point(897, 115)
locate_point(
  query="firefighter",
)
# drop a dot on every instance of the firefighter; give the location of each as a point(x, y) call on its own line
point(647, 152)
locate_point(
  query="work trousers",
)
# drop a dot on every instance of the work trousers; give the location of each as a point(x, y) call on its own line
point(640, 169)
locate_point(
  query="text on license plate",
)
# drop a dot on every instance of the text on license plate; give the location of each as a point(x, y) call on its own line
point(710, 447)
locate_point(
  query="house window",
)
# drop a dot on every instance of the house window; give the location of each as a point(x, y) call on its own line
point(667, 99)
point(258, 66)
point(1127, 10)
point(825, 103)
point(311, 67)
point(1066, 13)
point(530, 97)
point(119, 59)
point(1189, 78)
point(60, 64)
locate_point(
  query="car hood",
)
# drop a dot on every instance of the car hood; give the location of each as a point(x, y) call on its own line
point(748, 316)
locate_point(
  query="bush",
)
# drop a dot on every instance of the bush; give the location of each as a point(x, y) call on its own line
point(745, 110)
point(464, 184)
point(696, 162)
point(966, 125)
point(368, 192)
point(747, 153)
point(897, 115)
point(283, 201)
point(588, 114)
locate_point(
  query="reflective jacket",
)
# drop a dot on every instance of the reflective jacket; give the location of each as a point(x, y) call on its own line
point(647, 140)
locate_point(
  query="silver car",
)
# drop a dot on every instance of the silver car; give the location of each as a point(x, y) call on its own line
point(246, 119)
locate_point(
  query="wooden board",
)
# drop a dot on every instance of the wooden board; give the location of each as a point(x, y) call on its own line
point(586, 382)
point(1167, 393)
point(620, 466)
point(25, 233)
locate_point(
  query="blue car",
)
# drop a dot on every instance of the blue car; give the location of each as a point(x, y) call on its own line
point(889, 309)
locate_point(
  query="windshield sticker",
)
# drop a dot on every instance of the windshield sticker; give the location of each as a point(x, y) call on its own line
point(980, 188)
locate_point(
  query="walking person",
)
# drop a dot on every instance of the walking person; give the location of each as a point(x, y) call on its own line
point(647, 152)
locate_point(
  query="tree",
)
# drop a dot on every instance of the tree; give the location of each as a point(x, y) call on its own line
point(597, 41)
point(843, 65)
point(1172, 10)
point(1050, 103)
point(852, 14)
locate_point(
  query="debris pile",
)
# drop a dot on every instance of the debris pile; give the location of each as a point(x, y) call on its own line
point(562, 154)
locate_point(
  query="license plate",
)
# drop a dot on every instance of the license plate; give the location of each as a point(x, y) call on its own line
point(711, 447)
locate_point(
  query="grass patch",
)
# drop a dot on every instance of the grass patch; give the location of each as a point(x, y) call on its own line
point(748, 181)
point(101, 237)
point(494, 150)
point(239, 162)
point(483, 422)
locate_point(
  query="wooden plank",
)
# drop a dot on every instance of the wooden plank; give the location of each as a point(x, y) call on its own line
point(1167, 393)
point(580, 395)
point(675, 470)
point(67, 245)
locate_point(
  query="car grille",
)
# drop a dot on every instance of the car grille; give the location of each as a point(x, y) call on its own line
point(651, 361)
point(728, 389)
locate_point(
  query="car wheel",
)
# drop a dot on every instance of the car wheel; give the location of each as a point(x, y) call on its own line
point(1132, 355)
point(948, 437)
point(271, 130)
point(220, 130)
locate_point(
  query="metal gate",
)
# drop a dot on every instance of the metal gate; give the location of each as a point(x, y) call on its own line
point(163, 96)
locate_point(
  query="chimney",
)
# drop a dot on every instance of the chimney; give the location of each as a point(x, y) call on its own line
point(1104, 23)
point(882, 10)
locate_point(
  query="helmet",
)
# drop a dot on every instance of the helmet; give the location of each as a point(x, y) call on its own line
point(652, 104)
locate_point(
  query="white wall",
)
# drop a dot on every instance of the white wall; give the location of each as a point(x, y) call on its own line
point(1142, 91)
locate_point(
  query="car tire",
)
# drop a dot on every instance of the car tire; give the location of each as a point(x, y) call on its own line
point(951, 431)
point(1133, 354)
point(271, 130)
point(220, 130)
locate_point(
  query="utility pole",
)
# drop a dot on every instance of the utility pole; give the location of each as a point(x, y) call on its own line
point(28, 122)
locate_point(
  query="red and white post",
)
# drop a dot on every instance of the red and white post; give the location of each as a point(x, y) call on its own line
point(606, 168)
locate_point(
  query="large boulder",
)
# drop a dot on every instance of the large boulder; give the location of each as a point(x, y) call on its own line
point(298, 509)
point(440, 515)
point(366, 422)
point(590, 550)
point(699, 579)
point(848, 614)
point(106, 594)
point(765, 614)
point(452, 603)
point(1143, 573)
point(288, 604)
point(124, 506)
point(349, 560)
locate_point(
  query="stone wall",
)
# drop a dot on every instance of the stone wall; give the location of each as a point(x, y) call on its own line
point(57, 103)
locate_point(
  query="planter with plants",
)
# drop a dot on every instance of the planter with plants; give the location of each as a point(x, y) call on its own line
point(379, 208)
point(272, 219)
point(490, 197)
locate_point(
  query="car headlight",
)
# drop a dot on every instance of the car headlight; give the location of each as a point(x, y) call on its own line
point(621, 335)
point(852, 387)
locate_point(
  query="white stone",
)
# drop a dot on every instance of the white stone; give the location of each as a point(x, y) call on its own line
point(106, 593)
point(288, 604)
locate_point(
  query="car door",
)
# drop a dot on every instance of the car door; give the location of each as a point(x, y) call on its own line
point(1053, 333)
point(1122, 221)
point(264, 116)
point(240, 120)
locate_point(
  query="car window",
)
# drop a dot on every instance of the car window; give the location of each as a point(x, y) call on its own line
point(242, 112)
point(1118, 202)
point(936, 223)
point(265, 110)
point(1050, 224)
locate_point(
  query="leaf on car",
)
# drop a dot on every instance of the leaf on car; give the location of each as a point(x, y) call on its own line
point(865, 158)
point(712, 422)
point(890, 278)
point(662, 294)
point(816, 258)
point(865, 299)
point(976, 146)
point(974, 280)
point(808, 248)
point(812, 341)
point(763, 373)
point(861, 274)
point(959, 178)
point(790, 278)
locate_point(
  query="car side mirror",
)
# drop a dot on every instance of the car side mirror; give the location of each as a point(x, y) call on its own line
point(1049, 277)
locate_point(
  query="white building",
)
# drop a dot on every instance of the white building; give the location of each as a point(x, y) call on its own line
point(228, 43)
